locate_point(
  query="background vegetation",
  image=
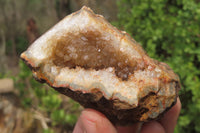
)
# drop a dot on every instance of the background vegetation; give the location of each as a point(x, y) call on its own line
point(41, 109)
point(169, 30)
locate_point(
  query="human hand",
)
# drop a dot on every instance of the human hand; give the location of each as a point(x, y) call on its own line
point(91, 121)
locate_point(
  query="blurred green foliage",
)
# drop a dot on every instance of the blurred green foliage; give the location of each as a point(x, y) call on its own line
point(44, 99)
point(169, 30)
point(21, 44)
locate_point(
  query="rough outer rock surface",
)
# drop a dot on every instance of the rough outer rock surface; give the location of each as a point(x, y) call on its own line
point(89, 60)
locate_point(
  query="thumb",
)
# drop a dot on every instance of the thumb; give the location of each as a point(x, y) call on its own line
point(91, 121)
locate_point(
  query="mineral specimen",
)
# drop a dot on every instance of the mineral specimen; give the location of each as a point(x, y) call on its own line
point(89, 60)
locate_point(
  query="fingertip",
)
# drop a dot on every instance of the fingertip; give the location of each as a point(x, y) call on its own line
point(92, 121)
point(91, 115)
point(152, 127)
point(170, 118)
point(177, 107)
point(135, 128)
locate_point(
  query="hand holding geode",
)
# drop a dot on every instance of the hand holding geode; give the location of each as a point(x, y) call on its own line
point(89, 60)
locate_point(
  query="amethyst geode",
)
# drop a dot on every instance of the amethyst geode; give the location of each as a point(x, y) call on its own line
point(89, 60)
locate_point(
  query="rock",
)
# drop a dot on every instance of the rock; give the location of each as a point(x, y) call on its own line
point(89, 60)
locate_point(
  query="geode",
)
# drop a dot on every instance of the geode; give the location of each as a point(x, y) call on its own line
point(86, 58)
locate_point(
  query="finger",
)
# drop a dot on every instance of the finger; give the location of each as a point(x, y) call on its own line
point(152, 127)
point(170, 118)
point(92, 121)
point(129, 129)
